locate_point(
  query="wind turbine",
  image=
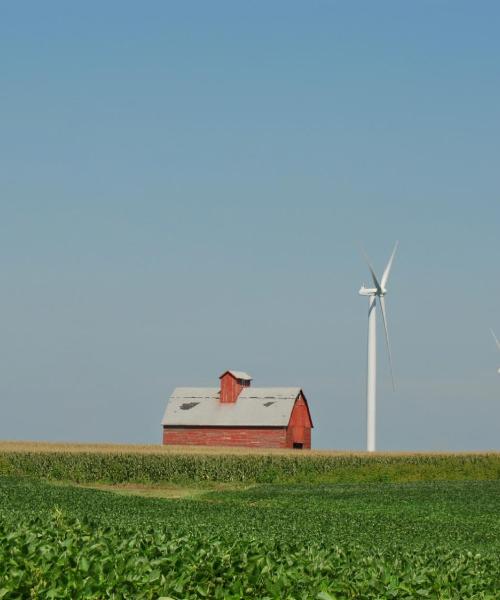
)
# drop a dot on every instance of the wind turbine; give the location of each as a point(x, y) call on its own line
point(496, 340)
point(379, 291)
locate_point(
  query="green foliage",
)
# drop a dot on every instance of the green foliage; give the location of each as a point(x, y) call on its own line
point(352, 541)
point(463, 514)
point(65, 558)
point(114, 467)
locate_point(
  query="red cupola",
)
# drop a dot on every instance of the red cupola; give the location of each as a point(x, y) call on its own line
point(231, 384)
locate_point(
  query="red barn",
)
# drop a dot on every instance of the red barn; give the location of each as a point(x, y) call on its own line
point(237, 414)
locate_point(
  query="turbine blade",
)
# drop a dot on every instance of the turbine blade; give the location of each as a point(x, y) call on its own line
point(387, 270)
point(374, 277)
point(495, 338)
point(384, 317)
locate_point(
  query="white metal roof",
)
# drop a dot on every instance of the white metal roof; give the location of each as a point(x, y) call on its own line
point(240, 375)
point(255, 407)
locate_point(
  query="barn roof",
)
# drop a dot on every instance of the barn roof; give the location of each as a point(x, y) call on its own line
point(265, 407)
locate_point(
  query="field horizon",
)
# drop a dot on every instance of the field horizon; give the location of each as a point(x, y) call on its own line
point(62, 446)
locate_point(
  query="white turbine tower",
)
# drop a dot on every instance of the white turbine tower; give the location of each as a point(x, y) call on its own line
point(496, 340)
point(379, 291)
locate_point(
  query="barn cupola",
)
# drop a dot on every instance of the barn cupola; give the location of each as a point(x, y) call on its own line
point(231, 384)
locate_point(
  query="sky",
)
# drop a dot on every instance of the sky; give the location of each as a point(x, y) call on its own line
point(186, 187)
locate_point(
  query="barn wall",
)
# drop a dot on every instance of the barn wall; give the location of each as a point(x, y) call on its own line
point(303, 437)
point(254, 437)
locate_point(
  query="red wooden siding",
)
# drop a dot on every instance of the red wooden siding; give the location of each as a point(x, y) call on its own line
point(252, 437)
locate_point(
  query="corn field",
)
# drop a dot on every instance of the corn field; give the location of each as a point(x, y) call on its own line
point(87, 464)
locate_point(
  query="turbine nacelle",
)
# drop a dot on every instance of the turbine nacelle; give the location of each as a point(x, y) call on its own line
point(364, 291)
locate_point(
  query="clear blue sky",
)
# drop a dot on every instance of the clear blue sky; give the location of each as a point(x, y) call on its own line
point(185, 186)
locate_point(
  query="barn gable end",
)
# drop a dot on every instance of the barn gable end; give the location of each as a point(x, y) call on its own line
point(300, 424)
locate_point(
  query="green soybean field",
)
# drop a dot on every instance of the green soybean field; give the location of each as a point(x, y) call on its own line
point(422, 539)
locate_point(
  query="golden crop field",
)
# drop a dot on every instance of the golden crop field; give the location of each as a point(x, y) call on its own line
point(30, 446)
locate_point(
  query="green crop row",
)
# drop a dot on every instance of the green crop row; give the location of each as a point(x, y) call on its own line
point(62, 557)
point(86, 467)
point(462, 515)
